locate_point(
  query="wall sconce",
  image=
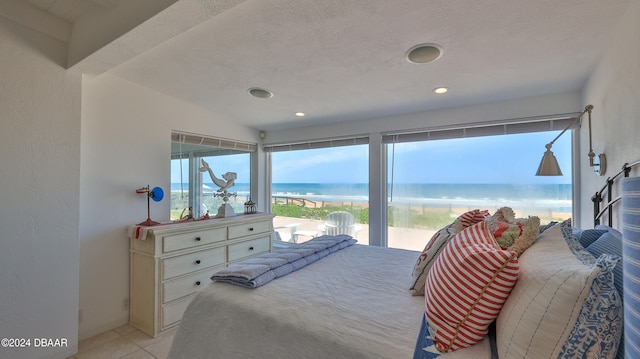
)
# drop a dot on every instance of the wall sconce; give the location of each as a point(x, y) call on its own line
point(549, 165)
point(156, 194)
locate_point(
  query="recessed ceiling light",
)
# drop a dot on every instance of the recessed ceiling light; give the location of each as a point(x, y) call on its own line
point(424, 53)
point(299, 114)
point(440, 90)
point(260, 92)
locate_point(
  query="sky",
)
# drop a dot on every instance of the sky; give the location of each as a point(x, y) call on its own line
point(489, 159)
point(238, 163)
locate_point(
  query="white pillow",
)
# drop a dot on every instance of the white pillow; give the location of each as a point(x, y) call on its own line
point(564, 304)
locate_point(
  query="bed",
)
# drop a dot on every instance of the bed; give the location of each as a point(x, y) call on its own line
point(356, 303)
point(351, 304)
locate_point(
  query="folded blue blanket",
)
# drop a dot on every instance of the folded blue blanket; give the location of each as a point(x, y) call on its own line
point(257, 271)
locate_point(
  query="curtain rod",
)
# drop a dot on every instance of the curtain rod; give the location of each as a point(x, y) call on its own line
point(514, 121)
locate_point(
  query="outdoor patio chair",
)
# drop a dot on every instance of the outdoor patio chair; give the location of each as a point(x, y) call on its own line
point(290, 230)
point(339, 222)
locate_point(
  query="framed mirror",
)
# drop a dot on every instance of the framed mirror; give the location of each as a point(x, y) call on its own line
point(193, 192)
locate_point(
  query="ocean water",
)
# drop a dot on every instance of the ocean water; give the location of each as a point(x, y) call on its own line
point(551, 197)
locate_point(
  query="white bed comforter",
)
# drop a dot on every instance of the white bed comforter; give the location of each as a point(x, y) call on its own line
point(354, 303)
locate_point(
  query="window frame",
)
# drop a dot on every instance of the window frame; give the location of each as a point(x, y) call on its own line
point(325, 143)
point(378, 159)
point(194, 152)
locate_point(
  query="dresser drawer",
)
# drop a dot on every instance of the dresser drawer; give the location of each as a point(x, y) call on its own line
point(175, 266)
point(248, 248)
point(172, 313)
point(192, 239)
point(248, 229)
point(189, 284)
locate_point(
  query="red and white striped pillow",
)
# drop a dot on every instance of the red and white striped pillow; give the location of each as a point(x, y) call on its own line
point(467, 286)
point(436, 245)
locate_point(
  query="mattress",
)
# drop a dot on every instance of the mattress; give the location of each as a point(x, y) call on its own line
point(354, 303)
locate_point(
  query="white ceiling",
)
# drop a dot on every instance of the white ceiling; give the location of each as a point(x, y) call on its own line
point(70, 10)
point(339, 60)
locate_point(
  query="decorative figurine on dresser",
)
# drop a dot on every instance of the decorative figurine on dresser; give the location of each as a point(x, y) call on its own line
point(250, 207)
point(228, 181)
point(171, 262)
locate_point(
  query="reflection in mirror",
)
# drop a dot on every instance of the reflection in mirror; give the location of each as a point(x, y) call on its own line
point(192, 191)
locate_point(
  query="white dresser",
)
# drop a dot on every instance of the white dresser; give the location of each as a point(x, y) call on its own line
point(170, 263)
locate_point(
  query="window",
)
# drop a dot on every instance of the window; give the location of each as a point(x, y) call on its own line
point(432, 182)
point(427, 177)
point(191, 187)
point(310, 183)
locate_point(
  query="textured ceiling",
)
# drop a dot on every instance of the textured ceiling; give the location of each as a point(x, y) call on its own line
point(70, 10)
point(341, 60)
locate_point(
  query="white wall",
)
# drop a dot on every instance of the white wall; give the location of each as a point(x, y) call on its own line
point(614, 91)
point(125, 145)
point(39, 191)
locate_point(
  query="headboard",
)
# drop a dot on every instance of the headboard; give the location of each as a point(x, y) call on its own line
point(602, 206)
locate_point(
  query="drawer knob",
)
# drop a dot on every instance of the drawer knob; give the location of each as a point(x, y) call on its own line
point(250, 229)
point(197, 261)
point(198, 283)
point(198, 239)
point(250, 248)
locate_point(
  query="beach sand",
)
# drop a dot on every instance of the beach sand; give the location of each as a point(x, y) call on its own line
point(398, 237)
point(305, 229)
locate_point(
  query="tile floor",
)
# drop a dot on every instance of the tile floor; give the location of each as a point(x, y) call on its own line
point(125, 342)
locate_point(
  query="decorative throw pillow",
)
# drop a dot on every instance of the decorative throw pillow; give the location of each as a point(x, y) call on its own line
point(564, 304)
point(511, 233)
point(547, 226)
point(435, 246)
point(466, 287)
point(608, 243)
point(530, 230)
point(588, 236)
